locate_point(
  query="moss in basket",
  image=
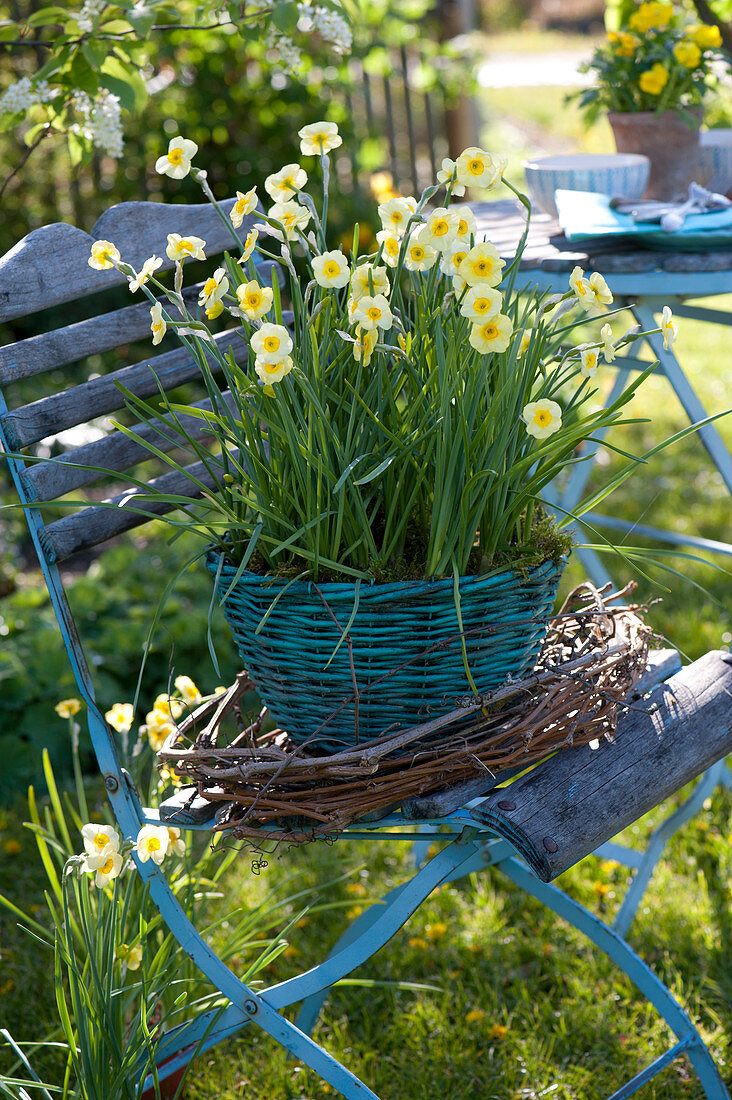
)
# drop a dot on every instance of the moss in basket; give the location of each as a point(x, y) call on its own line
point(408, 416)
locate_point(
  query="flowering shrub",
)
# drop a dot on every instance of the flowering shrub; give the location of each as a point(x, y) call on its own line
point(657, 61)
point(416, 403)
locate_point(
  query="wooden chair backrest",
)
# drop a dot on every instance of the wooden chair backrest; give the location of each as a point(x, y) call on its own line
point(48, 269)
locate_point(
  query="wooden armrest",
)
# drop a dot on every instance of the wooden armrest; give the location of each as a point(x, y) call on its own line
point(565, 808)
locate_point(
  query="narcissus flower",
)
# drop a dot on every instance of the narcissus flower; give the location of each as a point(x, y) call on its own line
point(147, 270)
point(319, 137)
point(525, 341)
point(440, 229)
point(255, 300)
point(152, 843)
point(589, 359)
point(654, 80)
point(99, 841)
point(363, 347)
point(176, 163)
point(491, 335)
point(67, 708)
point(669, 328)
point(103, 256)
point(273, 372)
point(164, 704)
point(373, 311)
point(542, 418)
point(395, 214)
point(482, 265)
point(451, 259)
point(481, 303)
point(284, 185)
point(390, 246)
point(446, 176)
point(292, 216)
point(214, 288)
point(190, 693)
point(131, 956)
point(271, 343)
point(591, 293)
point(176, 845)
point(420, 255)
point(476, 168)
point(466, 223)
point(182, 248)
point(246, 203)
point(368, 279)
point(608, 347)
point(108, 868)
point(331, 269)
point(158, 325)
point(121, 714)
point(249, 244)
point(158, 727)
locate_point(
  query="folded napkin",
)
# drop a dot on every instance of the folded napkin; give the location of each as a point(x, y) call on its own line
point(586, 216)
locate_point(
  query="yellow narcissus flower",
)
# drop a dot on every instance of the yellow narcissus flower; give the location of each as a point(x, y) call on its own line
point(214, 288)
point(482, 265)
point(706, 37)
point(525, 341)
point(171, 708)
point(542, 418)
point(466, 223)
point(420, 255)
point(147, 270)
point(451, 259)
point(109, 867)
point(395, 214)
point(169, 777)
point(481, 303)
point(331, 269)
point(103, 256)
point(152, 843)
point(269, 373)
point(440, 229)
point(185, 686)
point(285, 184)
point(608, 348)
point(254, 300)
point(669, 328)
point(249, 244)
point(246, 203)
point(130, 956)
point(319, 137)
point(121, 714)
point(366, 277)
point(390, 246)
point(176, 163)
point(476, 168)
point(589, 358)
point(492, 335)
point(363, 347)
point(181, 248)
point(687, 54)
point(176, 845)
point(292, 216)
point(591, 293)
point(67, 708)
point(99, 841)
point(158, 325)
point(271, 343)
point(158, 727)
point(446, 176)
point(654, 80)
point(373, 311)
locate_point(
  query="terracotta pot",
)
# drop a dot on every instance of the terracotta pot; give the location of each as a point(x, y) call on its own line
point(670, 141)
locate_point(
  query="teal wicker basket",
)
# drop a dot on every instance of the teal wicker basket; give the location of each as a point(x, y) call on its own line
point(404, 642)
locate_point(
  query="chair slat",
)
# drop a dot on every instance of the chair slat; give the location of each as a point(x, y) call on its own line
point(82, 530)
point(45, 481)
point(82, 403)
point(51, 264)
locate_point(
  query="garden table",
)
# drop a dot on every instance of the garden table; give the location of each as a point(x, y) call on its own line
point(642, 280)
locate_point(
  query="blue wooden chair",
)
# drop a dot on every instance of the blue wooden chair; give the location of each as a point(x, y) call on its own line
point(552, 817)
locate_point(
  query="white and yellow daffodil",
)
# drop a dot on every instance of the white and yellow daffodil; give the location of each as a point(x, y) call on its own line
point(67, 708)
point(467, 227)
point(669, 328)
point(249, 244)
point(446, 176)
point(395, 214)
point(608, 347)
point(364, 344)
point(482, 265)
point(148, 269)
point(176, 844)
point(285, 184)
point(476, 168)
point(331, 269)
point(103, 256)
point(214, 289)
point(318, 138)
point(440, 229)
point(107, 869)
point(176, 163)
point(525, 341)
point(130, 956)
point(590, 361)
point(451, 259)
point(292, 216)
point(390, 246)
point(271, 343)
point(184, 248)
point(246, 203)
point(254, 300)
point(165, 704)
point(368, 279)
point(420, 255)
point(268, 373)
point(373, 311)
point(158, 325)
point(481, 303)
point(152, 843)
point(542, 418)
point(121, 714)
point(99, 841)
point(158, 727)
point(592, 293)
point(491, 335)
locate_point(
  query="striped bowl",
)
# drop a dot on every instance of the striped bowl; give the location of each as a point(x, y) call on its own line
point(619, 175)
point(715, 159)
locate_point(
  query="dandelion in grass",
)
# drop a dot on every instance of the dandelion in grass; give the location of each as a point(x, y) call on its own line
point(331, 269)
point(481, 303)
point(419, 943)
point(269, 373)
point(447, 175)
point(271, 343)
point(440, 229)
point(249, 245)
point(600, 888)
point(146, 272)
point(373, 311)
point(283, 185)
point(255, 301)
point(390, 246)
point(368, 279)
point(395, 214)
point(120, 716)
point(420, 256)
point(476, 168)
point(246, 203)
point(176, 163)
point(364, 344)
point(176, 844)
point(152, 843)
point(608, 347)
point(542, 418)
point(185, 248)
point(319, 138)
point(158, 324)
point(482, 265)
point(292, 217)
point(492, 335)
point(99, 841)
point(497, 1032)
point(669, 328)
point(589, 359)
point(475, 1016)
point(436, 931)
point(103, 256)
point(67, 708)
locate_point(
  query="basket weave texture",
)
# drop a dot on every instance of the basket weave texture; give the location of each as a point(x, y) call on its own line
point(339, 664)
